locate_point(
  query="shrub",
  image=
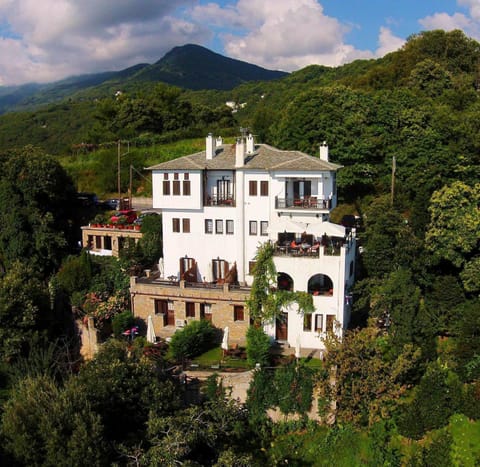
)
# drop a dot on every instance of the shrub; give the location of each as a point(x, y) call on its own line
point(194, 339)
point(121, 322)
point(258, 346)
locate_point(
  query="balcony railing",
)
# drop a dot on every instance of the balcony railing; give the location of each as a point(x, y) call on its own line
point(308, 202)
point(216, 201)
point(307, 251)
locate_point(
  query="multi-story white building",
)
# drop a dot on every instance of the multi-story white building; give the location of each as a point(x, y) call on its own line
point(218, 206)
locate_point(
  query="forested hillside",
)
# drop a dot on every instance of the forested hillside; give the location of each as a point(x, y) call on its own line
point(407, 373)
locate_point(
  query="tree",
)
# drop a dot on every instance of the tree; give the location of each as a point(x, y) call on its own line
point(45, 425)
point(455, 222)
point(123, 388)
point(436, 398)
point(24, 311)
point(36, 204)
point(258, 346)
point(369, 381)
point(194, 339)
point(151, 241)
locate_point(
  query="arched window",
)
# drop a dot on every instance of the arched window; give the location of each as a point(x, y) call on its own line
point(320, 284)
point(284, 282)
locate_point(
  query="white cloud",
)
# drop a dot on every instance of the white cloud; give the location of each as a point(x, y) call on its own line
point(283, 34)
point(469, 24)
point(388, 42)
point(56, 38)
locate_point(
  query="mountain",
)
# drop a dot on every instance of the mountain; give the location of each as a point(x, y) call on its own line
point(195, 67)
point(189, 66)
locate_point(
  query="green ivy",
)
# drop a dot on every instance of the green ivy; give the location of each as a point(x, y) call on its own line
point(266, 302)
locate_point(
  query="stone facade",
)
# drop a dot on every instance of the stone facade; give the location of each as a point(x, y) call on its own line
point(173, 304)
point(107, 240)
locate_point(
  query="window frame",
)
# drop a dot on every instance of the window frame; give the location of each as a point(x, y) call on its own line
point(175, 224)
point(186, 225)
point(307, 322)
point(186, 188)
point(263, 228)
point(252, 188)
point(317, 327)
point(176, 188)
point(166, 187)
point(189, 309)
point(219, 226)
point(238, 313)
point(264, 188)
point(209, 226)
point(252, 228)
point(229, 227)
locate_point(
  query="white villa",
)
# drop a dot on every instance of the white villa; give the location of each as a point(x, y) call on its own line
point(218, 206)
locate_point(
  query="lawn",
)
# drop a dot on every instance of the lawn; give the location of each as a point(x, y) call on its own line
point(215, 357)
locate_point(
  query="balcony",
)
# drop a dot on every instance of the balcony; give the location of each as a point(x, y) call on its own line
point(228, 201)
point(307, 202)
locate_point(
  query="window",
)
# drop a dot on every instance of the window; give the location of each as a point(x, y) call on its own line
point(229, 225)
point(176, 187)
point(329, 323)
point(98, 242)
point(264, 188)
point(253, 227)
point(186, 176)
point(161, 307)
point(186, 188)
point(263, 227)
point(165, 176)
point(108, 243)
point(206, 311)
point(238, 313)
point(166, 187)
point(208, 226)
point(219, 226)
point(176, 224)
point(318, 323)
point(190, 309)
point(219, 269)
point(186, 225)
point(251, 267)
point(175, 176)
point(252, 188)
point(307, 322)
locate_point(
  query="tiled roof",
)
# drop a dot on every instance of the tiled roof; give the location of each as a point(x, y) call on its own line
point(265, 157)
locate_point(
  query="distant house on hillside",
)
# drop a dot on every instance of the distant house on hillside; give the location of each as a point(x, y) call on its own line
point(218, 205)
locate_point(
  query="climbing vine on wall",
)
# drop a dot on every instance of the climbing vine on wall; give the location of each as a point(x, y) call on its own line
point(265, 301)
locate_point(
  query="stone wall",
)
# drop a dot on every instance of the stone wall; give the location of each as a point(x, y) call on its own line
point(219, 300)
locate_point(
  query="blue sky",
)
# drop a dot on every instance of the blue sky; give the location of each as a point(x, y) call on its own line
point(46, 40)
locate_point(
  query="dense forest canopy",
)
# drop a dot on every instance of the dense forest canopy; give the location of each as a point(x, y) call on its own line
point(407, 373)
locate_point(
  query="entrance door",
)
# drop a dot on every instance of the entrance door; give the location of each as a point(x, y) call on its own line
point(170, 318)
point(281, 327)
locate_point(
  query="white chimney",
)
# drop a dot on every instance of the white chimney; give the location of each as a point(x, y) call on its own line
point(219, 141)
point(239, 153)
point(250, 144)
point(210, 147)
point(324, 151)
